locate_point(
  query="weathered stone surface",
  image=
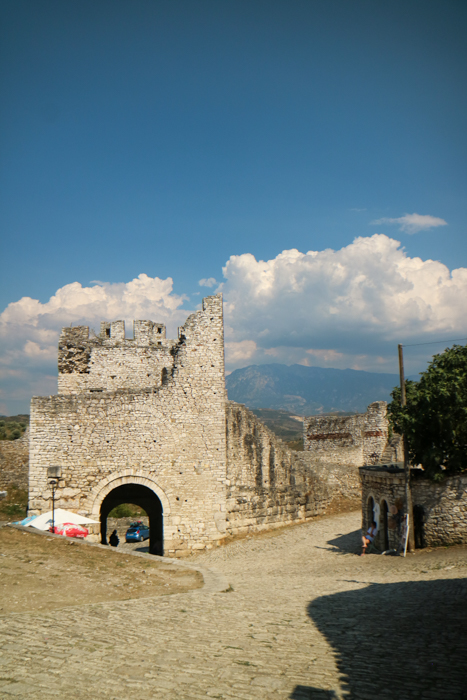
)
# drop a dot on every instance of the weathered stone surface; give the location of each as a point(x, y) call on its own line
point(268, 483)
point(152, 413)
point(439, 509)
point(14, 460)
point(351, 440)
point(169, 438)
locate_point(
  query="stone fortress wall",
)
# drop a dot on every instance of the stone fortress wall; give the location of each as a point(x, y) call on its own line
point(14, 462)
point(269, 484)
point(152, 414)
point(109, 361)
point(168, 437)
point(352, 440)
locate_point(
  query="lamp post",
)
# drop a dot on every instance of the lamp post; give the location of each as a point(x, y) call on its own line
point(53, 477)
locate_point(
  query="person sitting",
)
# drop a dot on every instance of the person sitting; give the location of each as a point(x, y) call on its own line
point(369, 537)
point(113, 539)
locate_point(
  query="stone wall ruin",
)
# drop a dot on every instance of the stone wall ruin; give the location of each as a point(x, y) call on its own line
point(356, 440)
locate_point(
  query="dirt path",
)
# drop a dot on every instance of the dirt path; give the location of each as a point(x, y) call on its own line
point(40, 573)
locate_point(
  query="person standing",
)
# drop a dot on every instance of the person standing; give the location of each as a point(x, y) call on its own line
point(113, 539)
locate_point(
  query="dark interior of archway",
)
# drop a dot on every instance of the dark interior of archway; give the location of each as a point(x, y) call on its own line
point(384, 518)
point(146, 499)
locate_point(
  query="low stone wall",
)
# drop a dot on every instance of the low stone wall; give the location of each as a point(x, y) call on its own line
point(444, 516)
point(270, 485)
point(14, 462)
point(439, 509)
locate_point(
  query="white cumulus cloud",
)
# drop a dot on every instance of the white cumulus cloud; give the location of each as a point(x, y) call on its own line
point(207, 282)
point(29, 329)
point(413, 223)
point(342, 308)
point(335, 308)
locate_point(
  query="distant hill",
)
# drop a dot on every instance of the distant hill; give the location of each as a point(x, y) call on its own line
point(12, 427)
point(283, 424)
point(308, 390)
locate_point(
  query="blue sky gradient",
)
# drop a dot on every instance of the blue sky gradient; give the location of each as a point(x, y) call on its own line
point(162, 137)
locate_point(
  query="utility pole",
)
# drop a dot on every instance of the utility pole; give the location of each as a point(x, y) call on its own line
point(408, 490)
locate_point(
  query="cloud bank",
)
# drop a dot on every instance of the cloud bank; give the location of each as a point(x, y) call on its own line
point(413, 223)
point(29, 329)
point(335, 308)
point(344, 308)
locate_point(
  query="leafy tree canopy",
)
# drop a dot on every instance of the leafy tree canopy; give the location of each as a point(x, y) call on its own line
point(435, 417)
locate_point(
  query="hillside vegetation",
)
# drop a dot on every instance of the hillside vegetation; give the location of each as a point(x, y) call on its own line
point(12, 427)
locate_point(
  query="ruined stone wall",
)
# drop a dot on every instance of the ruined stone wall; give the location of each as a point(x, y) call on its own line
point(170, 438)
point(269, 485)
point(14, 462)
point(108, 362)
point(440, 509)
point(375, 432)
point(348, 440)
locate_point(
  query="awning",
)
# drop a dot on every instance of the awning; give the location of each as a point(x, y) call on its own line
point(44, 521)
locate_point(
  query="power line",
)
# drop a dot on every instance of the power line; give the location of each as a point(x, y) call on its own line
point(434, 342)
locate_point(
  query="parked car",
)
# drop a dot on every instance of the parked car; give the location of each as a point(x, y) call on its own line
point(137, 532)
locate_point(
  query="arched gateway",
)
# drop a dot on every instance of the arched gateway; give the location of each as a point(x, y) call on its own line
point(141, 490)
point(138, 420)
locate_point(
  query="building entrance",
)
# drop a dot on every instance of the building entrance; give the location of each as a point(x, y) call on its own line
point(145, 498)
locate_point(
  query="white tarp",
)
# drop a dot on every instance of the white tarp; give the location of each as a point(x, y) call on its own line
point(44, 521)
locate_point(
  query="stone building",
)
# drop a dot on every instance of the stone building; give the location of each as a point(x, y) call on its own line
point(146, 421)
point(362, 438)
point(439, 508)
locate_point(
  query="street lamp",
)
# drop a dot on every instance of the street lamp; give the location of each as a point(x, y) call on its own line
point(53, 477)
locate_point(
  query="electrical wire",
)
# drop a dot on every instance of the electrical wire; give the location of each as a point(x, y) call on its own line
point(434, 342)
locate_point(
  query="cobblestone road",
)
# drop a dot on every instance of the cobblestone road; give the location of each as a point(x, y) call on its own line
point(306, 618)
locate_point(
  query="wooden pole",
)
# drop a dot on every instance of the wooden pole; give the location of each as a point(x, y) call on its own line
point(408, 490)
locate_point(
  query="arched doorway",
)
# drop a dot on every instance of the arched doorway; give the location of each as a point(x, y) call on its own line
point(384, 526)
point(418, 526)
point(145, 498)
point(370, 513)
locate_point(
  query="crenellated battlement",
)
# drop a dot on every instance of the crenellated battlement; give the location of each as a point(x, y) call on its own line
point(110, 361)
point(144, 332)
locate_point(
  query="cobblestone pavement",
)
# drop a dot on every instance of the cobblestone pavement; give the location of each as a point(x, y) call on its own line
point(307, 618)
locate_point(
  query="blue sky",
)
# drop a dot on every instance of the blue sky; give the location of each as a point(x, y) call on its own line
point(159, 138)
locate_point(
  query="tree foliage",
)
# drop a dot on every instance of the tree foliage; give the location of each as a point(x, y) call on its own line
point(434, 420)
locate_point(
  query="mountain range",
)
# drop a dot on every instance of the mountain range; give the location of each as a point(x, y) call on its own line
point(308, 390)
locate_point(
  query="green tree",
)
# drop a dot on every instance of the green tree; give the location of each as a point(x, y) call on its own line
point(435, 417)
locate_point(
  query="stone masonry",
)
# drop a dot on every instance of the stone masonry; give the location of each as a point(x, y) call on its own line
point(439, 509)
point(352, 440)
point(166, 433)
point(269, 484)
point(14, 458)
point(146, 420)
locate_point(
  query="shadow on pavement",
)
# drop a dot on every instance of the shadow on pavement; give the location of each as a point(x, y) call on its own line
point(396, 641)
point(348, 543)
point(306, 692)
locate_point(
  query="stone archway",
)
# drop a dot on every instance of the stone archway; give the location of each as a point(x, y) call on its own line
point(145, 498)
point(140, 490)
